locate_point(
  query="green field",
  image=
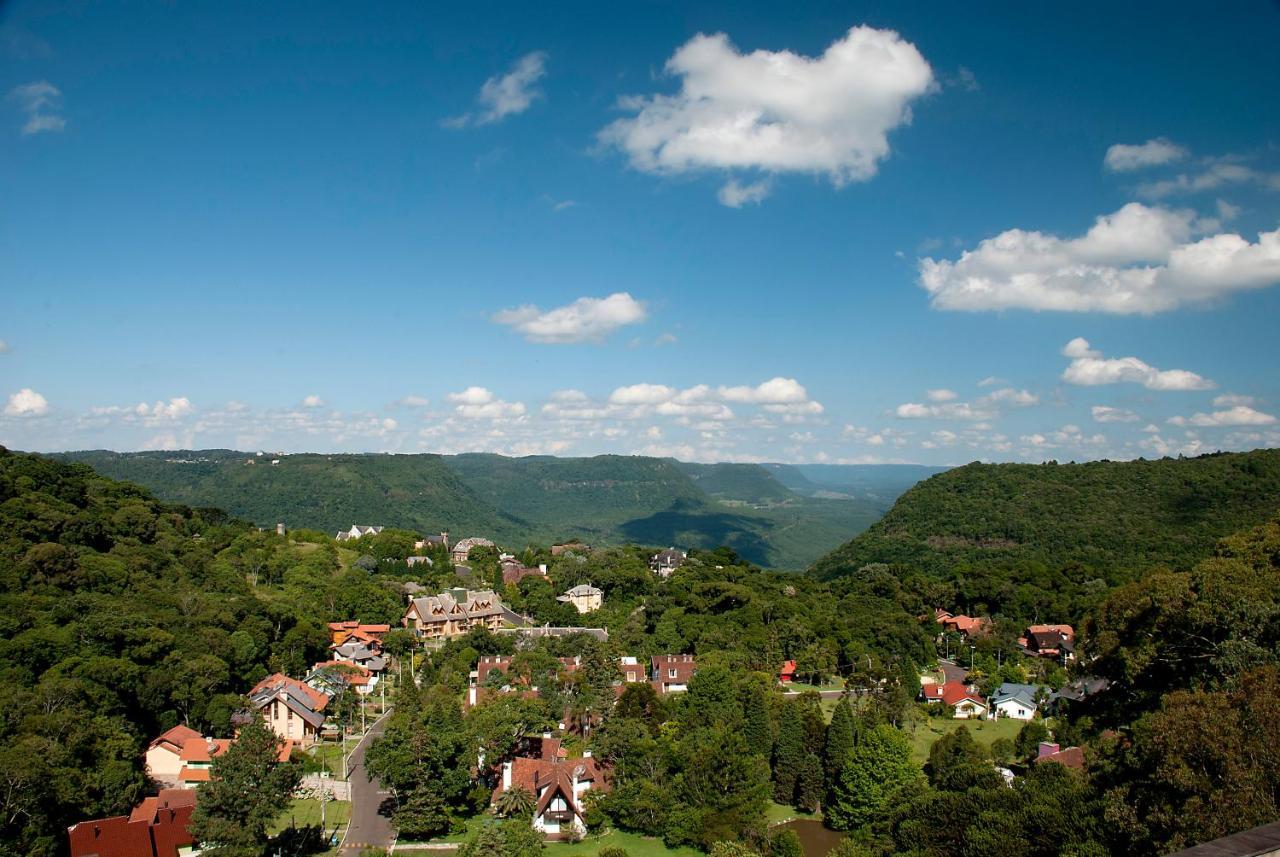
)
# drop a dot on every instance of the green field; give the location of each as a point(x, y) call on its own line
point(634, 844)
point(984, 732)
point(306, 811)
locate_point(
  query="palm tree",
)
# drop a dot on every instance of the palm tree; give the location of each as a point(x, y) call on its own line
point(515, 802)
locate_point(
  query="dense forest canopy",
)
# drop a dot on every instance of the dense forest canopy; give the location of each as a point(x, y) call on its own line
point(608, 499)
point(1106, 519)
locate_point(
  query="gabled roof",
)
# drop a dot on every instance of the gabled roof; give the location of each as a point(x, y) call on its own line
point(204, 749)
point(173, 739)
point(954, 692)
point(477, 605)
point(1072, 757)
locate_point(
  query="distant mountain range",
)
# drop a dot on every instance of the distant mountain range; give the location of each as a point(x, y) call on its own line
point(776, 515)
point(1113, 519)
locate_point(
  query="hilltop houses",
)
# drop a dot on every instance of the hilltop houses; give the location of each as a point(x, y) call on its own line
point(164, 754)
point(156, 827)
point(1017, 701)
point(460, 552)
point(1056, 642)
point(453, 613)
point(964, 702)
point(357, 531)
point(291, 708)
point(584, 597)
point(965, 626)
point(513, 572)
point(432, 541)
point(667, 561)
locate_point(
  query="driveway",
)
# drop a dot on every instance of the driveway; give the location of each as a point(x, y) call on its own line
point(951, 671)
point(369, 826)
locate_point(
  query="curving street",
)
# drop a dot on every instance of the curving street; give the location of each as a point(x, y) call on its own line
point(369, 826)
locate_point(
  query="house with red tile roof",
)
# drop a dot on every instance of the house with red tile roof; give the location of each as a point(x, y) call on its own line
point(163, 753)
point(966, 626)
point(1072, 757)
point(157, 827)
point(1057, 642)
point(963, 701)
point(557, 784)
point(198, 755)
point(787, 674)
point(291, 708)
point(671, 673)
point(370, 635)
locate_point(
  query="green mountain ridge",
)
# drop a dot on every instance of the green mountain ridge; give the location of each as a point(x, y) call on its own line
point(607, 499)
point(1114, 519)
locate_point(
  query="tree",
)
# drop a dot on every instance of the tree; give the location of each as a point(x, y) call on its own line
point(421, 814)
point(510, 838)
point(809, 784)
point(247, 790)
point(785, 843)
point(1027, 744)
point(839, 743)
point(788, 753)
point(878, 769)
point(515, 802)
point(721, 790)
point(958, 763)
point(757, 725)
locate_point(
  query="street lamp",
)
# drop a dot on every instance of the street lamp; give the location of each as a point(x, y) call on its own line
point(971, 651)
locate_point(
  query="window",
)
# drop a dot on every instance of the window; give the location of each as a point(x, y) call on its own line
point(671, 673)
point(290, 717)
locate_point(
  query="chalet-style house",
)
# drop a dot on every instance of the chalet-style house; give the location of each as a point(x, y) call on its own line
point(513, 572)
point(356, 531)
point(671, 673)
point(462, 550)
point(1017, 701)
point(360, 655)
point(157, 827)
point(964, 702)
point(667, 561)
point(1056, 642)
point(557, 784)
point(453, 613)
point(291, 708)
point(164, 753)
point(584, 597)
point(1075, 691)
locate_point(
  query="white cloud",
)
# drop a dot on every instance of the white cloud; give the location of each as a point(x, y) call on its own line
point(1217, 174)
point(941, 395)
point(735, 195)
point(1107, 414)
point(1240, 415)
point(313, 401)
point(584, 320)
point(950, 410)
point(479, 403)
point(26, 403)
point(412, 401)
point(776, 111)
point(1136, 260)
point(642, 394)
point(1090, 369)
point(1011, 397)
point(4, 347)
point(775, 391)
point(943, 405)
point(508, 94)
point(175, 408)
point(1227, 400)
point(41, 102)
point(1153, 153)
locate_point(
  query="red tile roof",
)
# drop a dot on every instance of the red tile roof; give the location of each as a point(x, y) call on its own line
point(954, 692)
point(173, 739)
point(317, 699)
point(1072, 757)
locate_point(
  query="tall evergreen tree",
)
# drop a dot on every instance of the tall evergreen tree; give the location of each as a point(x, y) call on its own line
point(757, 725)
point(880, 769)
point(247, 790)
point(809, 784)
point(839, 743)
point(788, 753)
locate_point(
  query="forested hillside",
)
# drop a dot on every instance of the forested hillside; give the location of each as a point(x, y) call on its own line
point(607, 499)
point(1106, 519)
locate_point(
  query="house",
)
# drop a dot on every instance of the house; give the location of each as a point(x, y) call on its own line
point(481, 679)
point(631, 668)
point(667, 561)
point(1076, 691)
point(156, 827)
point(513, 572)
point(357, 531)
point(1072, 757)
point(1016, 701)
point(341, 632)
point(332, 677)
point(359, 654)
point(584, 597)
point(462, 550)
point(964, 702)
point(163, 760)
point(441, 540)
point(574, 546)
point(671, 673)
point(966, 626)
point(1057, 642)
point(453, 613)
point(293, 710)
point(557, 784)
point(787, 674)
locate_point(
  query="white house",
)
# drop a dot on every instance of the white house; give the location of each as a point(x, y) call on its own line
point(584, 597)
point(1015, 701)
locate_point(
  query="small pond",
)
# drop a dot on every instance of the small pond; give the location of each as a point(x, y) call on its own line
point(816, 839)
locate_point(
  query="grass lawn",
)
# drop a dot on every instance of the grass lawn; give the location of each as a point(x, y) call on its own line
point(634, 844)
point(930, 729)
point(332, 754)
point(307, 811)
point(778, 813)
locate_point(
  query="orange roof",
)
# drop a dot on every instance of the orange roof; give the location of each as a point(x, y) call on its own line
point(1072, 757)
point(204, 749)
point(318, 700)
point(1064, 630)
point(954, 692)
point(174, 738)
point(194, 775)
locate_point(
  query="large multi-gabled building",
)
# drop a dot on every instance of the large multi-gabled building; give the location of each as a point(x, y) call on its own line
point(453, 613)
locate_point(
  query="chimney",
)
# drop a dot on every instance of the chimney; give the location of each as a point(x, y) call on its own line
point(542, 568)
point(506, 775)
point(1047, 748)
point(586, 754)
point(280, 529)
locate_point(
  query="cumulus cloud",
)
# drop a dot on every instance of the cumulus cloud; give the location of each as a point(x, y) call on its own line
point(776, 111)
point(313, 401)
point(507, 94)
point(1216, 174)
point(175, 408)
point(1240, 415)
point(1153, 153)
point(1227, 400)
point(480, 403)
point(584, 320)
point(1138, 259)
point(941, 395)
point(735, 195)
point(1107, 414)
point(41, 101)
point(26, 403)
point(1088, 368)
point(943, 405)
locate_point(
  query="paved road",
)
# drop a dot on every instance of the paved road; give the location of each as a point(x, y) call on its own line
point(951, 671)
point(369, 827)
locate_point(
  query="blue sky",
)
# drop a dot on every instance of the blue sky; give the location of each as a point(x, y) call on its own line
point(849, 233)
